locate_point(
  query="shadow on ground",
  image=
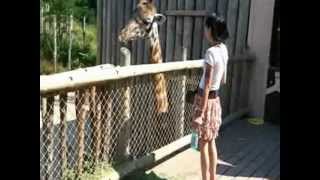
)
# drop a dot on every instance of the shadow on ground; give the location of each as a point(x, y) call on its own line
point(141, 175)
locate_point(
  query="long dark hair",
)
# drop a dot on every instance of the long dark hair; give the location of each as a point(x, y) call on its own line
point(218, 27)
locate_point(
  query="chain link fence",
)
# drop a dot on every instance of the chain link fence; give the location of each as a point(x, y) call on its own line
point(110, 123)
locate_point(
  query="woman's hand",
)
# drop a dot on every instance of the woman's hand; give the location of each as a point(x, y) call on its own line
point(197, 122)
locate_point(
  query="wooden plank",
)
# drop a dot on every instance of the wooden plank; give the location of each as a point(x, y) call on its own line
point(240, 45)
point(123, 150)
point(275, 172)
point(163, 29)
point(140, 51)
point(127, 11)
point(227, 89)
point(244, 89)
point(179, 33)
point(113, 27)
point(232, 21)
point(63, 131)
point(119, 25)
point(235, 87)
point(195, 13)
point(107, 32)
point(232, 14)
point(222, 8)
point(233, 159)
point(242, 27)
point(146, 52)
point(170, 32)
point(96, 123)
point(197, 32)
point(263, 170)
point(127, 16)
point(134, 44)
point(253, 165)
point(95, 75)
point(140, 44)
point(188, 29)
point(106, 111)
point(100, 35)
point(83, 107)
point(77, 78)
point(183, 96)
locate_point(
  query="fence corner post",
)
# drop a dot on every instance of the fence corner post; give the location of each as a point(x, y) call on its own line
point(124, 136)
point(183, 95)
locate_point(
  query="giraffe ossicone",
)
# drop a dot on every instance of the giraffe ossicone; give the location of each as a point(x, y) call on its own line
point(144, 25)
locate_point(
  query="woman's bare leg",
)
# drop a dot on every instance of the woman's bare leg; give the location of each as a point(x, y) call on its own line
point(213, 159)
point(204, 160)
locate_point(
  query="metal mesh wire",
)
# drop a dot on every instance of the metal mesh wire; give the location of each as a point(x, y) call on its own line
point(111, 123)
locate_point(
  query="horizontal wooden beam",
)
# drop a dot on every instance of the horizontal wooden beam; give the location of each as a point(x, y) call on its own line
point(90, 76)
point(71, 80)
point(186, 13)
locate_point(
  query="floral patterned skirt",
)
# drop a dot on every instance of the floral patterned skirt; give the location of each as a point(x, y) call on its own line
point(211, 118)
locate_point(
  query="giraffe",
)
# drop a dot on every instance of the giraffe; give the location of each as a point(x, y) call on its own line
point(144, 24)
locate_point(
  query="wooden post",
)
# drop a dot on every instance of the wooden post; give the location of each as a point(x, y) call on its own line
point(63, 132)
point(96, 123)
point(124, 136)
point(41, 119)
point(106, 125)
point(55, 42)
point(83, 106)
point(48, 138)
point(70, 41)
point(183, 95)
point(259, 41)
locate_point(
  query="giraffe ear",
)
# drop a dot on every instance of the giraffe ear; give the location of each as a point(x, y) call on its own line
point(160, 18)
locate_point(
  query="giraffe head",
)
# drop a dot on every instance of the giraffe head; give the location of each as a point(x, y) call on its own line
point(144, 20)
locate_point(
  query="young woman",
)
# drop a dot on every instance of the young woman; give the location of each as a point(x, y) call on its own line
point(206, 118)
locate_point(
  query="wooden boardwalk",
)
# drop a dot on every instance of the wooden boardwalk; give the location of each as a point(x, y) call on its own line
point(245, 151)
point(253, 152)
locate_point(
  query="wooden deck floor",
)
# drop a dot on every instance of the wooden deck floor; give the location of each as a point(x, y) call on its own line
point(253, 152)
point(245, 151)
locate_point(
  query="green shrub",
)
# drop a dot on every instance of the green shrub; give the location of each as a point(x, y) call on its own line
point(47, 67)
point(83, 54)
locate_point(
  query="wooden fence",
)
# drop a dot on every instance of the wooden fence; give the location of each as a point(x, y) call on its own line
point(184, 28)
point(114, 115)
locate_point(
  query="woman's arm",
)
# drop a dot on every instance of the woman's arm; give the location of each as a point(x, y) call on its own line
point(207, 85)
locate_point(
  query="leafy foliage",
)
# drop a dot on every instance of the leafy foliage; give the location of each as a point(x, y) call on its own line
point(84, 42)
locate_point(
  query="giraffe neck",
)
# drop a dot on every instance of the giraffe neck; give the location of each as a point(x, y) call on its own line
point(155, 47)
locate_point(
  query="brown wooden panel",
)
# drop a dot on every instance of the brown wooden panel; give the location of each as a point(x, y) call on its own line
point(170, 42)
point(198, 32)
point(179, 12)
point(188, 29)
